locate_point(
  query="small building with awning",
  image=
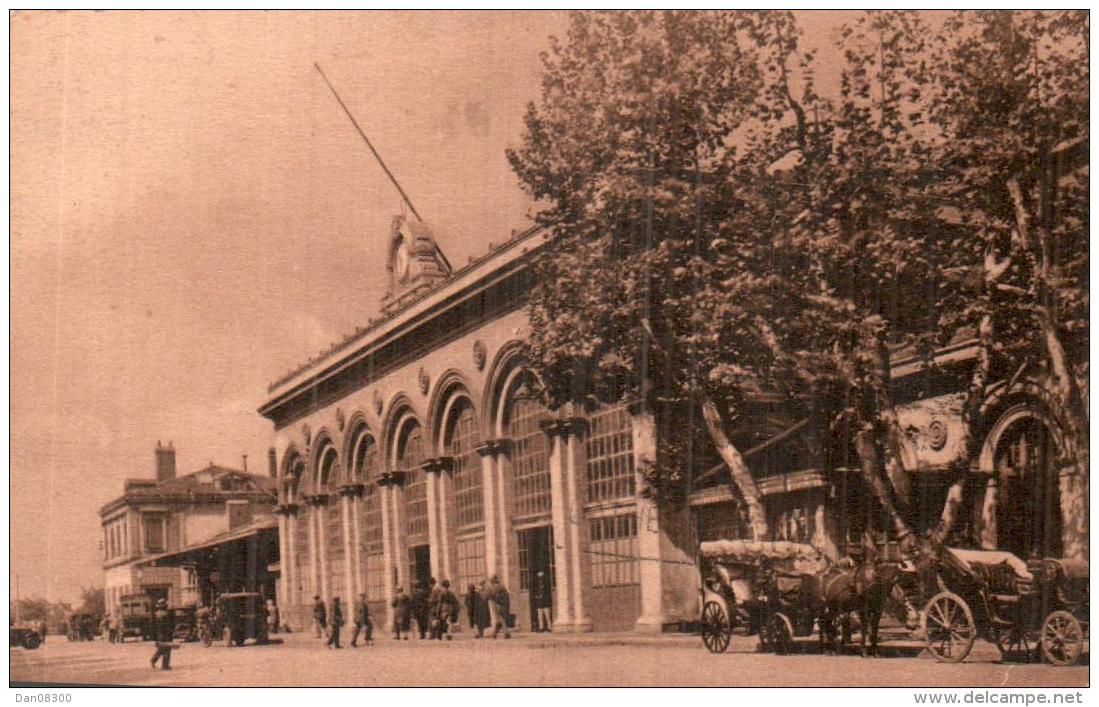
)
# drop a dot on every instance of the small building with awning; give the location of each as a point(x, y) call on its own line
point(242, 559)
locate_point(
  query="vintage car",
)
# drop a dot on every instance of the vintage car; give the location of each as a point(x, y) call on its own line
point(239, 617)
point(24, 635)
point(136, 611)
point(184, 622)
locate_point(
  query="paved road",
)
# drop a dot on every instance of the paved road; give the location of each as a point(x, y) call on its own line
point(525, 660)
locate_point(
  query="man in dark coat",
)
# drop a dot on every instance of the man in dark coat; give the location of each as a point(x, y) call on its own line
point(446, 612)
point(542, 598)
point(473, 605)
point(362, 621)
point(335, 621)
point(402, 613)
point(162, 632)
point(434, 591)
point(499, 604)
point(421, 609)
point(319, 617)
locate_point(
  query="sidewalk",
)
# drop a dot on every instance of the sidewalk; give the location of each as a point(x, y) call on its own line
point(535, 640)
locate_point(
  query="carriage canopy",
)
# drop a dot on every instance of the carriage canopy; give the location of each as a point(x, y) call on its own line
point(790, 556)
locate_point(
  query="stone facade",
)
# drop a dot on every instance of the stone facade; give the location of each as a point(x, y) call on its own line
point(415, 449)
point(167, 514)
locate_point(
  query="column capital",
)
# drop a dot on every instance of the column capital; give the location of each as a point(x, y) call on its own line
point(564, 427)
point(286, 509)
point(316, 499)
point(353, 490)
point(438, 465)
point(392, 478)
point(493, 447)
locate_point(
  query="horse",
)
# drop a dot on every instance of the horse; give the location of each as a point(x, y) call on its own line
point(863, 587)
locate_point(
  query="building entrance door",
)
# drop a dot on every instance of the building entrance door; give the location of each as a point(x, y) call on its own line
point(1028, 518)
point(419, 564)
point(536, 555)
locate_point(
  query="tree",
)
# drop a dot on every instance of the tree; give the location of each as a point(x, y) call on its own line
point(93, 600)
point(669, 269)
point(1011, 101)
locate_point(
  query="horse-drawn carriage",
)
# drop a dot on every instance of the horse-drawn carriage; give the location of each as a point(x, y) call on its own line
point(767, 587)
point(1022, 607)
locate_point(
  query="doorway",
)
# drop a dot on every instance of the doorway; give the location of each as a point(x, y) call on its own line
point(419, 564)
point(536, 555)
point(1028, 521)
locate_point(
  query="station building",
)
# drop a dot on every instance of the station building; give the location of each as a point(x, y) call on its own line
point(161, 517)
point(415, 449)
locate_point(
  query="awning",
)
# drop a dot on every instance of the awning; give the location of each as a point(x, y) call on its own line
point(178, 557)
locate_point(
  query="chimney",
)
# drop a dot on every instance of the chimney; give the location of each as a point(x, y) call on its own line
point(244, 463)
point(238, 512)
point(272, 463)
point(165, 461)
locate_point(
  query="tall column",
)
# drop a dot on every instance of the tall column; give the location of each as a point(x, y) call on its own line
point(446, 523)
point(387, 548)
point(648, 532)
point(438, 522)
point(315, 586)
point(288, 558)
point(347, 496)
point(397, 510)
point(356, 540)
point(284, 543)
point(486, 451)
point(431, 471)
point(669, 585)
point(575, 429)
point(320, 509)
point(564, 617)
point(503, 503)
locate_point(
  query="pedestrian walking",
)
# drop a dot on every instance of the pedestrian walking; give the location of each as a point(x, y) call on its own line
point(473, 605)
point(335, 622)
point(162, 632)
point(421, 609)
point(320, 617)
point(402, 614)
point(434, 592)
point(446, 612)
point(499, 605)
point(272, 617)
point(543, 601)
point(362, 622)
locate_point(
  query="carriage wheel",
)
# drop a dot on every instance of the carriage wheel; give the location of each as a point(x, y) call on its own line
point(948, 627)
point(780, 633)
point(1062, 638)
point(716, 630)
point(31, 641)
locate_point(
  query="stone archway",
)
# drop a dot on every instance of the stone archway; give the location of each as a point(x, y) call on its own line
point(1022, 456)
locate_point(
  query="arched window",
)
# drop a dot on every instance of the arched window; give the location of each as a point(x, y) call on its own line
point(409, 456)
point(530, 450)
point(365, 470)
point(462, 436)
point(1028, 517)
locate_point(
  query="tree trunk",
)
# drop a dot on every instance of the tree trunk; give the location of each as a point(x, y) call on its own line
point(738, 469)
point(870, 465)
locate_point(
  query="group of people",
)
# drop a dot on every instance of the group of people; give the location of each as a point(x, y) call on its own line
point(433, 607)
point(79, 627)
point(435, 610)
point(328, 622)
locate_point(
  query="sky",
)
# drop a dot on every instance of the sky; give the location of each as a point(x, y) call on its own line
point(193, 215)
